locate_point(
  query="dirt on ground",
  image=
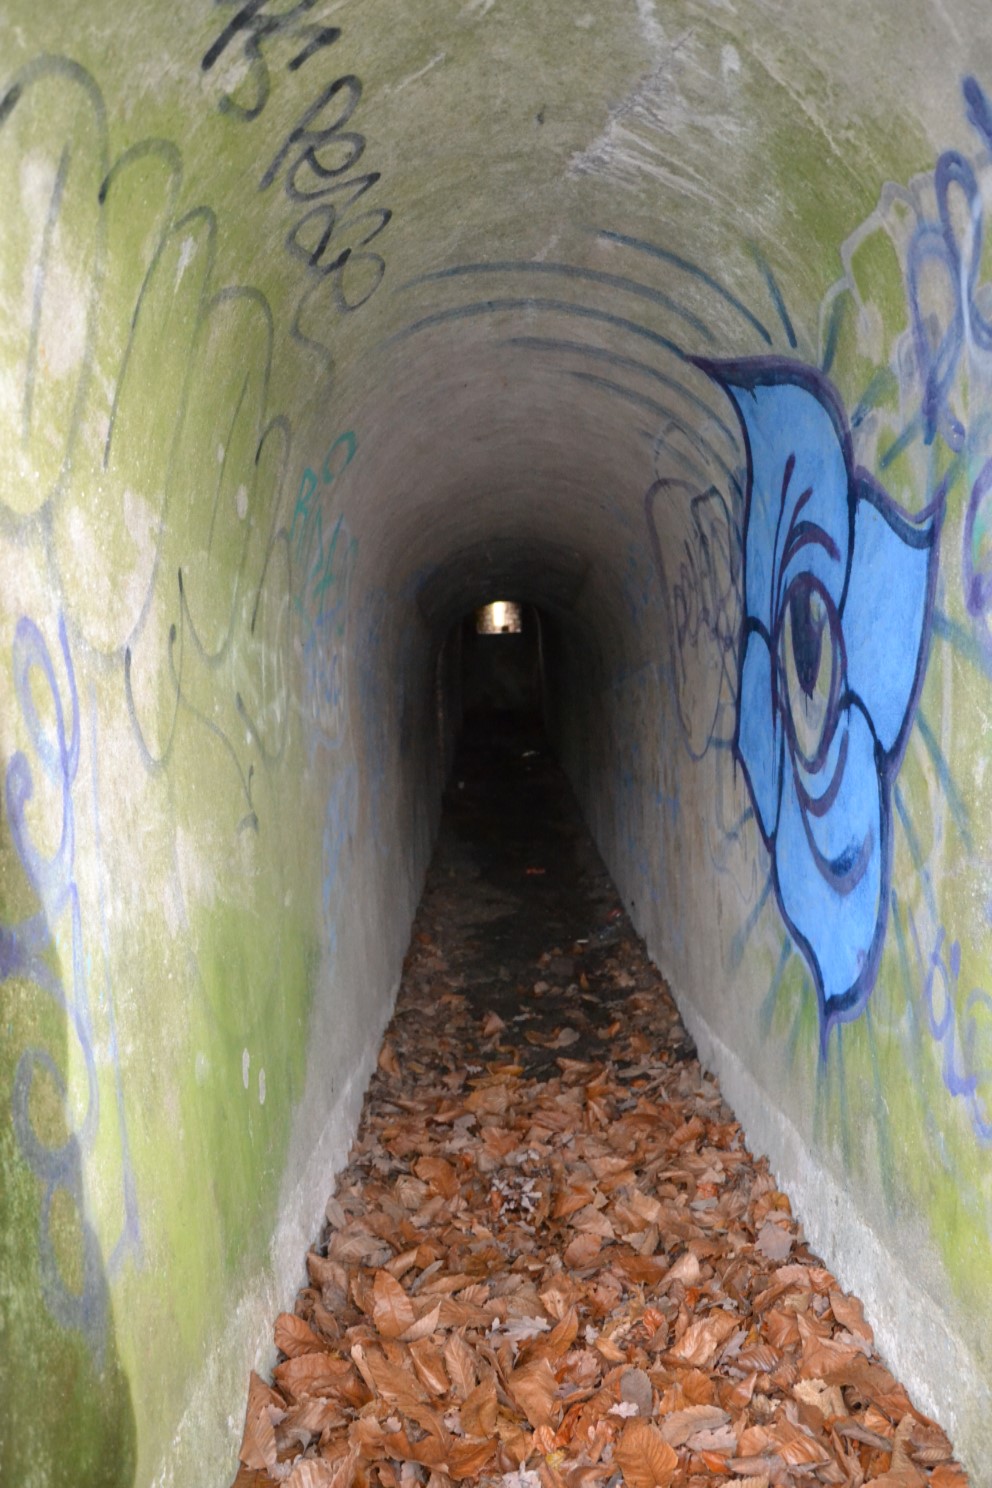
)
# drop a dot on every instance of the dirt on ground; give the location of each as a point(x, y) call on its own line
point(552, 1261)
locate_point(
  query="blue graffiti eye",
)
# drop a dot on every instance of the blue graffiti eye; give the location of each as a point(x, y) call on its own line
point(809, 667)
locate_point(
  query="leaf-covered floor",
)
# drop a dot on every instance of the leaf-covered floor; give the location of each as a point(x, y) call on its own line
point(552, 1261)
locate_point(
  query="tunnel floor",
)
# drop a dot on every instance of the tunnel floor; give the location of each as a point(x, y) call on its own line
point(551, 1261)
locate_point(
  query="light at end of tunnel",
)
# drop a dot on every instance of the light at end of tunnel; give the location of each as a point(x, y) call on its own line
point(502, 617)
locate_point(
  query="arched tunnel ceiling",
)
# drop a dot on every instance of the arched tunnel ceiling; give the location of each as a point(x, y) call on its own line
point(325, 316)
point(489, 236)
point(525, 371)
point(500, 569)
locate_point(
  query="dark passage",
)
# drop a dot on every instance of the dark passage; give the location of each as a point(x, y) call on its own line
point(551, 1261)
point(519, 896)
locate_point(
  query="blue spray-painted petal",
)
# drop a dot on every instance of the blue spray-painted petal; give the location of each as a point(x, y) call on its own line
point(799, 502)
point(830, 864)
point(886, 610)
point(759, 741)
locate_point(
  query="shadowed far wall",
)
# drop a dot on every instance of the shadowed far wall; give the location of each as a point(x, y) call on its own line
point(325, 322)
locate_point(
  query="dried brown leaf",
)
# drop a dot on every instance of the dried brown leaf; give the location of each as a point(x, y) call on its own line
point(354, 1243)
point(582, 1251)
point(929, 1444)
point(649, 1270)
point(311, 1374)
point(902, 1472)
point(438, 1173)
point(324, 1271)
point(774, 1241)
point(678, 1426)
point(720, 1441)
point(392, 1310)
point(949, 1475)
point(310, 1418)
point(315, 1472)
point(466, 1459)
point(850, 1314)
point(686, 1270)
point(534, 1389)
point(648, 1208)
point(490, 1100)
point(480, 1409)
point(460, 1362)
point(398, 1383)
point(827, 1399)
point(644, 1456)
point(258, 1442)
point(293, 1336)
point(754, 1469)
point(429, 1364)
point(425, 1325)
point(702, 1340)
point(388, 1062)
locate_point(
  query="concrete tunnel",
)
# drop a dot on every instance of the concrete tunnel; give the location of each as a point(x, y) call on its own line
point(324, 323)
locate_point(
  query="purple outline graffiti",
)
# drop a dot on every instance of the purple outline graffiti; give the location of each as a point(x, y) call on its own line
point(938, 352)
point(838, 596)
point(956, 1033)
point(943, 266)
point(26, 951)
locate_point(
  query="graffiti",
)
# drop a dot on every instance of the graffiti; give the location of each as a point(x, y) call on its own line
point(253, 25)
point(838, 593)
point(325, 565)
point(311, 236)
point(952, 336)
point(706, 600)
point(340, 823)
point(940, 971)
point(221, 616)
point(165, 527)
point(956, 253)
point(935, 375)
point(32, 951)
point(320, 579)
point(314, 160)
point(169, 618)
point(976, 561)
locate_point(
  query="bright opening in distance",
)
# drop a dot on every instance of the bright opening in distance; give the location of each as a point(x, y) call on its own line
point(502, 617)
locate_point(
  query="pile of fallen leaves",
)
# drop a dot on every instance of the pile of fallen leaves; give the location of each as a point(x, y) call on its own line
point(571, 1280)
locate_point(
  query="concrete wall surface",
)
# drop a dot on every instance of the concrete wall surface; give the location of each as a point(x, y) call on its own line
point(324, 322)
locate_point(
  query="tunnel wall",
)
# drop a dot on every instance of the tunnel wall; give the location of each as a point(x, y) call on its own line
point(789, 792)
point(323, 324)
point(202, 796)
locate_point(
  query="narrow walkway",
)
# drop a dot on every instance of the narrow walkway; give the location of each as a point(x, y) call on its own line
point(552, 1262)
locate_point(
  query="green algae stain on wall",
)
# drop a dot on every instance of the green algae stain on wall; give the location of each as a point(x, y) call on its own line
point(168, 766)
point(926, 1047)
point(57, 1323)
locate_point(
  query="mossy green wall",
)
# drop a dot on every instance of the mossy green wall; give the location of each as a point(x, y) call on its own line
point(183, 791)
point(321, 323)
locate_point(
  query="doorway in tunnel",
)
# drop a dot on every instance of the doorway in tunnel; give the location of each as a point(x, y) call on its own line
point(501, 660)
